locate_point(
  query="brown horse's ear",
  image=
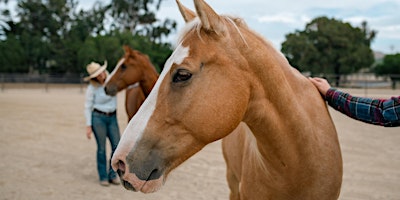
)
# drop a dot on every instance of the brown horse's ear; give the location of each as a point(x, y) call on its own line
point(187, 14)
point(209, 18)
point(127, 49)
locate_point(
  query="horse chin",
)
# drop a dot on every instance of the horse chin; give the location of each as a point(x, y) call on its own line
point(132, 182)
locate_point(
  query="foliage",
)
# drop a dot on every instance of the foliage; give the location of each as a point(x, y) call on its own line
point(390, 65)
point(139, 17)
point(109, 48)
point(52, 36)
point(329, 46)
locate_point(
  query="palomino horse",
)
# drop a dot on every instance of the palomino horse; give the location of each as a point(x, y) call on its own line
point(223, 76)
point(135, 73)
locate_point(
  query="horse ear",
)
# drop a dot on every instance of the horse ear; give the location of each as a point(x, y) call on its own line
point(209, 18)
point(127, 49)
point(187, 14)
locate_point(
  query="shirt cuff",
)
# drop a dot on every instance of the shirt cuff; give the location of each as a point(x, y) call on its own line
point(329, 93)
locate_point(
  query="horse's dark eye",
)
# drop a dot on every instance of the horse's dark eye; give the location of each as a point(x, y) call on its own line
point(181, 76)
point(123, 67)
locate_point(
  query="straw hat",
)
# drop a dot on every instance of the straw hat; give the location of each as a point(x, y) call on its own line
point(94, 69)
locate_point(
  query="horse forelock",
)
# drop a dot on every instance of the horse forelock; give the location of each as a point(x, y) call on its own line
point(196, 25)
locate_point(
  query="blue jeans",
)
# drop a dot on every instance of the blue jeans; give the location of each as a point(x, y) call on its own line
point(104, 126)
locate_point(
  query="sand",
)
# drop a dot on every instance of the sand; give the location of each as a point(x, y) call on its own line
point(46, 155)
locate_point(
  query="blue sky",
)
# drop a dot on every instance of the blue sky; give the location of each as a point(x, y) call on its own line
point(275, 19)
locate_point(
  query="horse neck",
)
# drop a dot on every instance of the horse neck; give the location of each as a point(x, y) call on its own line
point(150, 77)
point(274, 112)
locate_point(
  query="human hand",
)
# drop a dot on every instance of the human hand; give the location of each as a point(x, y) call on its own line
point(89, 132)
point(321, 84)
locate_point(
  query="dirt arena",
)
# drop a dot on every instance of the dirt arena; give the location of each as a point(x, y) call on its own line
point(45, 153)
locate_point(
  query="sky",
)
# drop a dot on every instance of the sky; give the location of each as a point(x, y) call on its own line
point(275, 19)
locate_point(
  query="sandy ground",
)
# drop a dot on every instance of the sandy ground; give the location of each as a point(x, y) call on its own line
point(45, 154)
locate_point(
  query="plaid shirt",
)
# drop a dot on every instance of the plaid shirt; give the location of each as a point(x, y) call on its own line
point(383, 112)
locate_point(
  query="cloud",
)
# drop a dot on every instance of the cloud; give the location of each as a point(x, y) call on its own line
point(276, 19)
point(287, 18)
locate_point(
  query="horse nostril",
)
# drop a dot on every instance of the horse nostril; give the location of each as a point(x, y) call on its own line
point(153, 175)
point(121, 166)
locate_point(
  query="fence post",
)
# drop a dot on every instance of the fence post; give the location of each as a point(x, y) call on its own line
point(2, 82)
point(81, 83)
point(46, 85)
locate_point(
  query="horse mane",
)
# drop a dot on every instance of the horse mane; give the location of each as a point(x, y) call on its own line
point(255, 154)
point(195, 24)
point(236, 22)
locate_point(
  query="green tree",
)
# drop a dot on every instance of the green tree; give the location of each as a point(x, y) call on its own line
point(109, 47)
point(12, 56)
point(330, 46)
point(50, 36)
point(139, 17)
point(41, 29)
point(390, 66)
point(84, 24)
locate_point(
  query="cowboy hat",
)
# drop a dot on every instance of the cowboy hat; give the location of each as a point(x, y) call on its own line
point(94, 69)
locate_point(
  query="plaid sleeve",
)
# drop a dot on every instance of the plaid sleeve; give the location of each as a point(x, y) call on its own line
point(383, 112)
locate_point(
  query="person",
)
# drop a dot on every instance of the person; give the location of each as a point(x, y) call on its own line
point(101, 120)
point(382, 112)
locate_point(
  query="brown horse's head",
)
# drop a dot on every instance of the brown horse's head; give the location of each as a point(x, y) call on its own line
point(129, 70)
point(200, 97)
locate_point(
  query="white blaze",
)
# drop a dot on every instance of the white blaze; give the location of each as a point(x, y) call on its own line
point(136, 126)
point(115, 70)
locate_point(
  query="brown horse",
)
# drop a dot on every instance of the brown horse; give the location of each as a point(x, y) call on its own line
point(135, 73)
point(225, 81)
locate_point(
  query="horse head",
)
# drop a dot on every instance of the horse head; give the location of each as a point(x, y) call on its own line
point(198, 99)
point(130, 69)
point(220, 74)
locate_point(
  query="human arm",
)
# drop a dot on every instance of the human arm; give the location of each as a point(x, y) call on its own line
point(383, 112)
point(89, 101)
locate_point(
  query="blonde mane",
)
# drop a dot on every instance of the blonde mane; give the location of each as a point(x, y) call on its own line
point(195, 24)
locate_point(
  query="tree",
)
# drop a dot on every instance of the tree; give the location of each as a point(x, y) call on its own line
point(138, 17)
point(83, 25)
point(12, 56)
point(329, 46)
point(50, 36)
point(390, 66)
point(109, 47)
point(41, 29)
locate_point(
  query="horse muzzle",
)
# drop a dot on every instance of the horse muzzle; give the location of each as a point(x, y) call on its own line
point(145, 175)
point(111, 90)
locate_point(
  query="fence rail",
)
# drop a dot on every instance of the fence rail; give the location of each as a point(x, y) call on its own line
point(41, 78)
point(44, 81)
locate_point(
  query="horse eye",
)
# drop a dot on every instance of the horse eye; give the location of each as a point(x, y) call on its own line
point(181, 76)
point(123, 67)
